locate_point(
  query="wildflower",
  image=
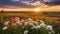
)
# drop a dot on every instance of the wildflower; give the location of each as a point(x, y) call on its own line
point(21, 23)
point(13, 20)
point(49, 27)
point(35, 22)
point(6, 23)
point(16, 19)
point(38, 26)
point(41, 21)
point(31, 24)
point(29, 19)
point(42, 24)
point(26, 23)
point(22, 20)
point(33, 27)
point(4, 28)
point(26, 32)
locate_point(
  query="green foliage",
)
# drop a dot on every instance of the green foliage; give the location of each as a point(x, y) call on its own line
point(43, 30)
point(56, 28)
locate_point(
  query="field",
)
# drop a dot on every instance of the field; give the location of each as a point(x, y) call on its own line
point(20, 22)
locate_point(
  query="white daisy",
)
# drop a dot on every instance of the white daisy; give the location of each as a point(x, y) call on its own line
point(4, 28)
point(42, 24)
point(6, 23)
point(49, 27)
point(26, 32)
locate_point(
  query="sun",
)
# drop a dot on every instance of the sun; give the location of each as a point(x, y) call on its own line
point(37, 9)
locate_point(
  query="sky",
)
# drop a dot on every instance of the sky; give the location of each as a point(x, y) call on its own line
point(24, 3)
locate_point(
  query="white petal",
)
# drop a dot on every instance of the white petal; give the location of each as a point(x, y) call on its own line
point(4, 28)
point(26, 32)
point(6, 23)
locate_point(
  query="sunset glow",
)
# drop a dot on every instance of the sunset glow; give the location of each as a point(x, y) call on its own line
point(37, 9)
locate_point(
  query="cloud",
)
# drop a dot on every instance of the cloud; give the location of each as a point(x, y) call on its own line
point(37, 3)
point(15, 0)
